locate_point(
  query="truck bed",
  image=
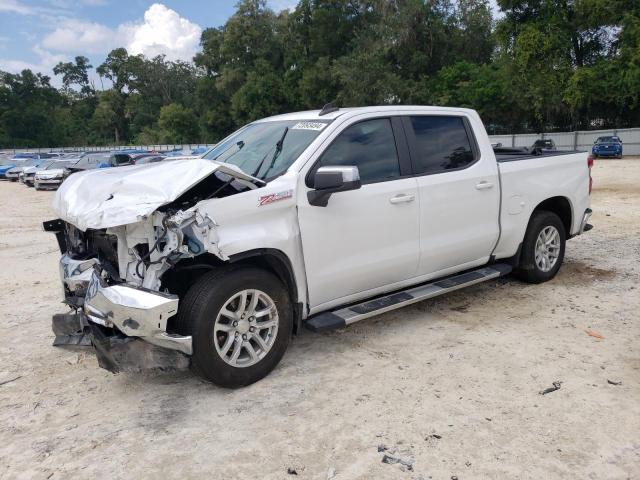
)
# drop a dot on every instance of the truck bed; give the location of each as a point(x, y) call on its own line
point(516, 154)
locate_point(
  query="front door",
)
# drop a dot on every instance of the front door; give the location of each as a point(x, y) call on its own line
point(367, 238)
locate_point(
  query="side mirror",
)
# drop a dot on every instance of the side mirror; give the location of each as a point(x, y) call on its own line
point(330, 180)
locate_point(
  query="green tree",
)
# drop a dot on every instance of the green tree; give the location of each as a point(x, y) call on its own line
point(178, 124)
point(76, 74)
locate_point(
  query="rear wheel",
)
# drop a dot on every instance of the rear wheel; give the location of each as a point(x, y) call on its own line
point(543, 248)
point(241, 321)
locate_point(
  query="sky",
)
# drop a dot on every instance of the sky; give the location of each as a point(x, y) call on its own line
point(37, 34)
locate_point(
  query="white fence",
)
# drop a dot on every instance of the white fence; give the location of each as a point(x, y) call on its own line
point(579, 140)
point(154, 148)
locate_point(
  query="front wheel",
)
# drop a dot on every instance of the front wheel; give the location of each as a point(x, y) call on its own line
point(543, 248)
point(241, 321)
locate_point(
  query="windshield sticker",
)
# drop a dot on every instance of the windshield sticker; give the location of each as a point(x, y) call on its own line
point(274, 197)
point(317, 126)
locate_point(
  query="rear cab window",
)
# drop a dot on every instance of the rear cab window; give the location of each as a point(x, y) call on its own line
point(440, 143)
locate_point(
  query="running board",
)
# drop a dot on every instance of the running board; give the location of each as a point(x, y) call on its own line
point(346, 316)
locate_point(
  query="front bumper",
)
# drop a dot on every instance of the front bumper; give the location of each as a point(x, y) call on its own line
point(607, 153)
point(47, 182)
point(126, 309)
point(114, 351)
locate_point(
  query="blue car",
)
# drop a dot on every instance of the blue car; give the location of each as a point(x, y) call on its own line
point(6, 165)
point(607, 147)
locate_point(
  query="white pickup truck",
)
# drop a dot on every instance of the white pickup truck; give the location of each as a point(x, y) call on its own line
point(317, 219)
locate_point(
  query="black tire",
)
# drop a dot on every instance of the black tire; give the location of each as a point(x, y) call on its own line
point(200, 307)
point(528, 270)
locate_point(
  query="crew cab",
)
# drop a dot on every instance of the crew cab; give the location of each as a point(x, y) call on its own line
point(314, 219)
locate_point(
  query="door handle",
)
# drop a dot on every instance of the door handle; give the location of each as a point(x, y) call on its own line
point(402, 198)
point(484, 185)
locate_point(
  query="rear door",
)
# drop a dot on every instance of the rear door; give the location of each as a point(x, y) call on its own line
point(459, 193)
point(367, 238)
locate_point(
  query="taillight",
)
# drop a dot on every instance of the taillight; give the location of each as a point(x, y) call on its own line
point(590, 160)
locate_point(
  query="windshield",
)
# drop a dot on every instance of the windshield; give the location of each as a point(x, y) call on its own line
point(46, 164)
point(607, 139)
point(92, 159)
point(266, 149)
point(25, 155)
point(60, 164)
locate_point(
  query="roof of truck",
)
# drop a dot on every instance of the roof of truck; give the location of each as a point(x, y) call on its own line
point(315, 114)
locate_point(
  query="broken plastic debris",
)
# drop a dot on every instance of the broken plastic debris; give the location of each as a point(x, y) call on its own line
point(393, 460)
point(594, 334)
point(556, 386)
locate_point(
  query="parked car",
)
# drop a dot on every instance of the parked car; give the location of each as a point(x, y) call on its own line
point(317, 219)
point(199, 150)
point(121, 159)
point(543, 146)
point(51, 174)
point(609, 146)
point(6, 164)
point(92, 160)
point(13, 161)
point(51, 178)
point(13, 174)
point(145, 158)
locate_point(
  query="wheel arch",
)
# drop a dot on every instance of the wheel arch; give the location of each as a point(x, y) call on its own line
point(562, 207)
point(186, 272)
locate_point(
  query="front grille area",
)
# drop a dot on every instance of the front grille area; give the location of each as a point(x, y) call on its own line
point(94, 244)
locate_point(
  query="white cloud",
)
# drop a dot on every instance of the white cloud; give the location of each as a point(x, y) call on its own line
point(162, 31)
point(45, 63)
point(80, 36)
point(14, 6)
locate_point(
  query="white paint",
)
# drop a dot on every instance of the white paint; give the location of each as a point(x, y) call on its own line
point(363, 243)
point(111, 197)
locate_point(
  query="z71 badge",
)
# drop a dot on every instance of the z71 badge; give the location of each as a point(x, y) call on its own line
point(274, 197)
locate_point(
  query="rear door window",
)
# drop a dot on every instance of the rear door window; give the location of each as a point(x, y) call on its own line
point(441, 144)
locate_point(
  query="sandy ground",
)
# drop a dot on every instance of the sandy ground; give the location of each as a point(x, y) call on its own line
point(449, 386)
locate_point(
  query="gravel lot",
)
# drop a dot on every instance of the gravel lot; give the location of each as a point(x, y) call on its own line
point(448, 386)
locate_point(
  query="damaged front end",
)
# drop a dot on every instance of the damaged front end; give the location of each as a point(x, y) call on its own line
point(111, 280)
point(115, 252)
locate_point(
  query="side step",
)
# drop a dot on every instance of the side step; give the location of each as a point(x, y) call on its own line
point(326, 321)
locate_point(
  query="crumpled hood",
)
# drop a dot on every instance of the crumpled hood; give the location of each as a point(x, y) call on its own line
point(111, 197)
